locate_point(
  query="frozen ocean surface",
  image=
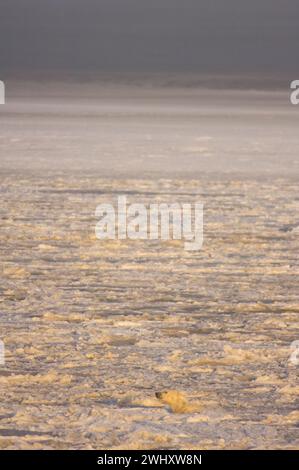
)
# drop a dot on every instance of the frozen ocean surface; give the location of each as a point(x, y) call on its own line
point(93, 329)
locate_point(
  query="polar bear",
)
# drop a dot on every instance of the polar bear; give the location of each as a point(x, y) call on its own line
point(177, 401)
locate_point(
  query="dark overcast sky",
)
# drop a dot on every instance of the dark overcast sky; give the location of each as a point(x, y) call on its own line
point(222, 36)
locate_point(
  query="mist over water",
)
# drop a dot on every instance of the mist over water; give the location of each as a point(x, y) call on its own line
point(144, 130)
